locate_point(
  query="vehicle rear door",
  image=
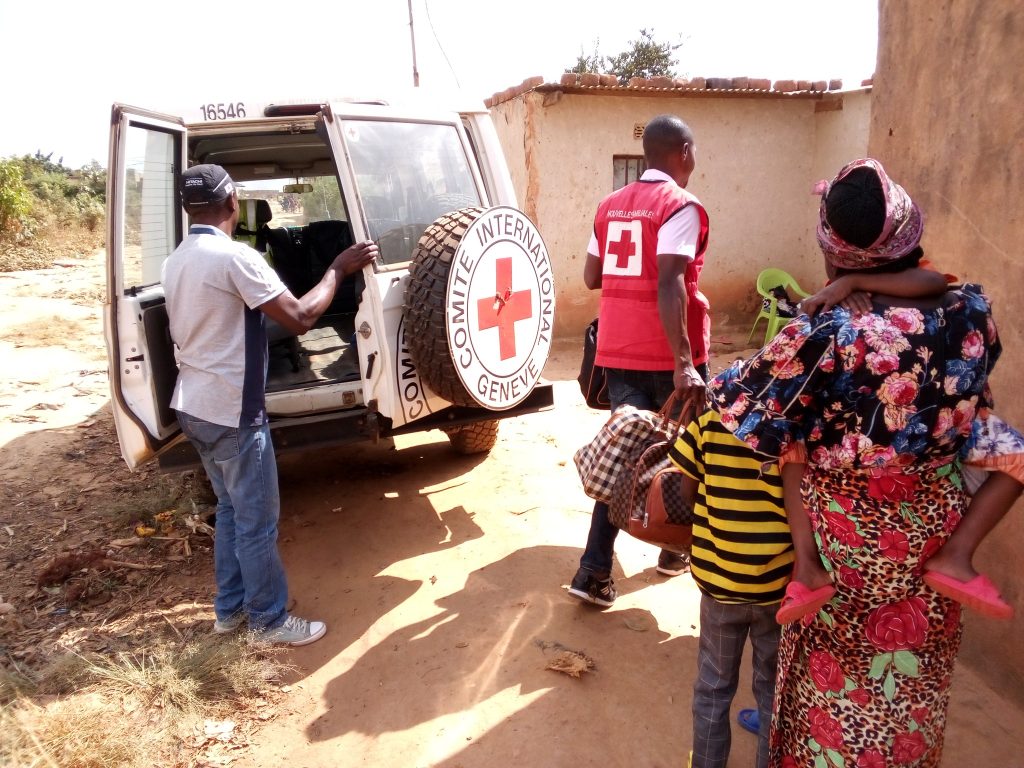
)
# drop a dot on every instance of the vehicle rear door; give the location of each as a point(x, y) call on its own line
point(399, 171)
point(144, 224)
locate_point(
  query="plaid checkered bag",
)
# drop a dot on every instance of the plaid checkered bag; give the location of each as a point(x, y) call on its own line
point(617, 445)
point(647, 500)
point(627, 467)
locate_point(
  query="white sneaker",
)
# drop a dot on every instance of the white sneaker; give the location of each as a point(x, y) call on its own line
point(231, 624)
point(294, 631)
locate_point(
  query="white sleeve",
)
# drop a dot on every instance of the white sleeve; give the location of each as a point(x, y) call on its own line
point(256, 281)
point(679, 235)
point(592, 248)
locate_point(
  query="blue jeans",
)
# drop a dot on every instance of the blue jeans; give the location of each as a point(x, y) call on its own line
point(642, 389)
point(723, 634)
point(241, 466)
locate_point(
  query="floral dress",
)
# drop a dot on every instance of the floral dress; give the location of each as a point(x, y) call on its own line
point(882, 408)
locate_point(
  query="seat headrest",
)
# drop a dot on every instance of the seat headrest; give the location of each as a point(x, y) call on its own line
point(254, 213)
point(263, 213)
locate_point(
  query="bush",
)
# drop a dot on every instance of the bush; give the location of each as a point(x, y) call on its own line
point(49, 211)
point(15, 201)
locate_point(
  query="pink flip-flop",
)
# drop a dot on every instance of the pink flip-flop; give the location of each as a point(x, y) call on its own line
point(801, 601)
point(978, 594)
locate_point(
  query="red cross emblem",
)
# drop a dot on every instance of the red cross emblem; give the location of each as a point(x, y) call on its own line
point(505, 309)
point(622, 249)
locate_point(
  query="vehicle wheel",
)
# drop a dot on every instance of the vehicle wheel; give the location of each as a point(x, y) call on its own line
point(425, 309)
point(474, 438)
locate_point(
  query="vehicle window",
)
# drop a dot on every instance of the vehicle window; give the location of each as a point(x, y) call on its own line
point(408, 174)
point(296, 209)
point(150, 206)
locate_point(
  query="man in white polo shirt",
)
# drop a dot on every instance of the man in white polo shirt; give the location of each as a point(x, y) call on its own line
point(218, 293)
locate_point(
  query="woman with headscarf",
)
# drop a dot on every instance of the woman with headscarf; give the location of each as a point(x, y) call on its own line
point(869, 415)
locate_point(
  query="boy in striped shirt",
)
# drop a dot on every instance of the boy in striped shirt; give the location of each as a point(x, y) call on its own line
point(741, 560)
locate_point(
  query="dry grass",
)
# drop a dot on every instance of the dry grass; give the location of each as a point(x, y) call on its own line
point(17, 258)
point(89, 297)
point(53, 244)
point(130, 709)
point(182, 493)
point(84, 731)
point(47, 332)
point(209, 671)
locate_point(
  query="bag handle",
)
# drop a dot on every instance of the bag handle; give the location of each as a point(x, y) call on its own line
point(667, 424)
point(690, 413)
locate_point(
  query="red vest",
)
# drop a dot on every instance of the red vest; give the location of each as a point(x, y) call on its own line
point(630, 334)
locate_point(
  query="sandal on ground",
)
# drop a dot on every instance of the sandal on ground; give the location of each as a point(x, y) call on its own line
point(750, 720)
point(979, 594)
point(801, 601)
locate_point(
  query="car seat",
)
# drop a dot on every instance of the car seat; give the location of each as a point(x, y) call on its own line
point(301, 256)
point(253, 217)
point(252, 229)
point(326, 239)
point(289, 254)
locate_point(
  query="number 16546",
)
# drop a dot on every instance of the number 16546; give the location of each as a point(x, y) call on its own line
point(222, 111)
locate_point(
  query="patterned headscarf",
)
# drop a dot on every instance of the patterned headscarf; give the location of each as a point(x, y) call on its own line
point(900, 234)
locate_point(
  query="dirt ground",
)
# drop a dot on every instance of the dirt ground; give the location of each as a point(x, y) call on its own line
point(442, 579)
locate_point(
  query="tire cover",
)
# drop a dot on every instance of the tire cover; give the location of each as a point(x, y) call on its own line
point(480, 307)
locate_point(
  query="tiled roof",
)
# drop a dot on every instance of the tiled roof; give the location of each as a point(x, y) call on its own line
point(593, 83)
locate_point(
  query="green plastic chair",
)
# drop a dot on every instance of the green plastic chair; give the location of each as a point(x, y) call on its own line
point(768, 279)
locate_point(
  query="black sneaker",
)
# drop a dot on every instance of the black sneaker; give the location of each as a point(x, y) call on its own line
point(673, 564)
point(587, 587)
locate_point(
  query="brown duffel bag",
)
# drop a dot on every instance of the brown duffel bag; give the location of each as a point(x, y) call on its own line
point(647, 496)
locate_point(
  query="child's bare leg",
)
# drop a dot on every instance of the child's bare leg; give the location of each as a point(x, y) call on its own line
point(988, 506)
point(808, 569)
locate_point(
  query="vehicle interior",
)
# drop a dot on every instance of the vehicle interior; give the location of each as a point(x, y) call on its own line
point(292, 212)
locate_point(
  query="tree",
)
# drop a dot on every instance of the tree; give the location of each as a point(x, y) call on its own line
point(584, 63)
point(324, 201)
point(644, 58)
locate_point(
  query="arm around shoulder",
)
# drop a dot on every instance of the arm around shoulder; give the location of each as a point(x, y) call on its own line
point(911, 283)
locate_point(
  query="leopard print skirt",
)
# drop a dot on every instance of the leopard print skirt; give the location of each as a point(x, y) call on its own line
point(865, 682)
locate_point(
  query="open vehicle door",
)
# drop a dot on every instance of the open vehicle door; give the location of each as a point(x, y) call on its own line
point(408, 170)
point(480, 329)
point(147, 153)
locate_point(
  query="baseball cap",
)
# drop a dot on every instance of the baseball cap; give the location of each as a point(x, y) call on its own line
point(204, 184)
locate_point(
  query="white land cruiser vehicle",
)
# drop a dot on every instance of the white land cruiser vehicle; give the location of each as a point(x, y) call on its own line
point(449, 329)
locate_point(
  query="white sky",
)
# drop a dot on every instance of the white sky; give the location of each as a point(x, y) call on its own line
point(65, 63)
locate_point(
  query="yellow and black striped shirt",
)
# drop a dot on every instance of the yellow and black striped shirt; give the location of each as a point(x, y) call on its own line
point(742, 551)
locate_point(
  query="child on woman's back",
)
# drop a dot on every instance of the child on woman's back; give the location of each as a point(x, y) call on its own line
point(994, 446)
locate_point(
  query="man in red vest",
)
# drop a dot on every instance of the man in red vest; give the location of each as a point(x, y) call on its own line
point(653, 333)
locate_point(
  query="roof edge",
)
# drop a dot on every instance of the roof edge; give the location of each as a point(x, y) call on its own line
point(593, 83)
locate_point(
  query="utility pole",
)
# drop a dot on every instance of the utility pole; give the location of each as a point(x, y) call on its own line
point(412, 35)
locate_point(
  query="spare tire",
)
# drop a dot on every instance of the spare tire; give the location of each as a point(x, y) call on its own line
point(479, 307)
